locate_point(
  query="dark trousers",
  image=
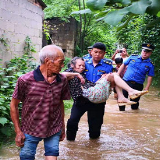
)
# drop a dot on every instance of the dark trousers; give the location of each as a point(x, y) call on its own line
point(95, 114)
point(136, 86)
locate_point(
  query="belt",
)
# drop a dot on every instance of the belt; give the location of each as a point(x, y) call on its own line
point(133, 82)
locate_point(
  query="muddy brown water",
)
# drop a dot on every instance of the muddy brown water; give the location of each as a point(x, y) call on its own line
point(128, 135)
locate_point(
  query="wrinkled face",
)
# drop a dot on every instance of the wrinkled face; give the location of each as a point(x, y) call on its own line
point(80, 66)
point(55, 66)
point(97, 54)
point(146, 53)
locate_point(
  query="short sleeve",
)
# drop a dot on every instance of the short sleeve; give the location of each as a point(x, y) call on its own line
point(19, 91)
point(151, 71)
point(126, 62)
point(65, 91)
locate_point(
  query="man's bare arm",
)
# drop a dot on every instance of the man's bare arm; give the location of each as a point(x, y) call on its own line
point(71, 75)
point(149, 81)
point(121, 68)
point(15, 118)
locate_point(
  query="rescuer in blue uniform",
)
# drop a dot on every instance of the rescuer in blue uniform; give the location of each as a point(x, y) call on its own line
point(88, 56)
point(95, 67)
point(138, 67)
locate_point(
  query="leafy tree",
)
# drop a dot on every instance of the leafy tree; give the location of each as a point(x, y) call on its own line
point(60, 8)
point(136, 21)
point(124, 9)
point(89, 30)
point(152, 35)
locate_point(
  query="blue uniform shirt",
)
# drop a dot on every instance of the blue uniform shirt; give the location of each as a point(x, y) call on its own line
point(87, 57)
point(138, 69)
point(94, 73)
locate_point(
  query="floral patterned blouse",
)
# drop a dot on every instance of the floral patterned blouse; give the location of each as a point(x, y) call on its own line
point(75, 85)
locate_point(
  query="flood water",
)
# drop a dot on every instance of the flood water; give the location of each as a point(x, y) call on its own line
point(128, 135)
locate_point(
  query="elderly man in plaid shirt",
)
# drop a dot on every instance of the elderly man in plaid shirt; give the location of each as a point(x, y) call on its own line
point(41, 92)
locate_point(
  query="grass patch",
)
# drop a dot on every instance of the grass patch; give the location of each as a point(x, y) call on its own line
point(68, 104)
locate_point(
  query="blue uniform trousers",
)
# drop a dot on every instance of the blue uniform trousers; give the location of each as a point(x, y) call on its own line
point(95, 114)
point(136, 86)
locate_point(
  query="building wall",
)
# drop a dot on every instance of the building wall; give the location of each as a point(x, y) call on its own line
point(63, 34)
point(18, 19)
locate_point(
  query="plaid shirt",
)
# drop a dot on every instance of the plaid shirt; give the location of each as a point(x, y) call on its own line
point(41, 111)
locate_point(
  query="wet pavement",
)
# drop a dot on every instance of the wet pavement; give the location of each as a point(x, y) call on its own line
point(128, 135)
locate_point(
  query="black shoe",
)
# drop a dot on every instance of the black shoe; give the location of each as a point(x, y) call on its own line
point(134, 108)
point(94, 135)
point(71, 135)
point(122, 108)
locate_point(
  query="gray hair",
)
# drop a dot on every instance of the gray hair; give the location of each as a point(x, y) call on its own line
point(74, 61)
point(49, 51)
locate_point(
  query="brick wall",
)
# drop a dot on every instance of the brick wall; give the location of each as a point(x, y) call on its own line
point(18, 19)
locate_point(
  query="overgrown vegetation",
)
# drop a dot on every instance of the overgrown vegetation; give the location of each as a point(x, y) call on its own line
point(136, 33)
point(126, 22)
point(8, 78)
point(89, 30)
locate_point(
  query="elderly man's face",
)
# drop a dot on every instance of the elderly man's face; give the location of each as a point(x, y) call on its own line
point(55, 66)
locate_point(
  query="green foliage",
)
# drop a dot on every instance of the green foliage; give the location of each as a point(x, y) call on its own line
point(134, 36)
point(8, 78)
point(59, 8)
point(67, 60)
point(89, 30)
point(46, 29)
point(96, 5)
point(131, 35)
point(123, 9)
point(68, 104)
point(4, 40)
point(101, 32)
point(152, 35)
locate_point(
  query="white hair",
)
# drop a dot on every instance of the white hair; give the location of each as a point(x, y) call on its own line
point(49, 51)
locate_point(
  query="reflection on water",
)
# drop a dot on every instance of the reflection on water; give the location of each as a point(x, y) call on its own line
point(128, 135)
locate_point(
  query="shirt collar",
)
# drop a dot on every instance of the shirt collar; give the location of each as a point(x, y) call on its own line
point(147, 60)
point(39, 77)
point(89, 56)
point(139, 56)
point(90, 61)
